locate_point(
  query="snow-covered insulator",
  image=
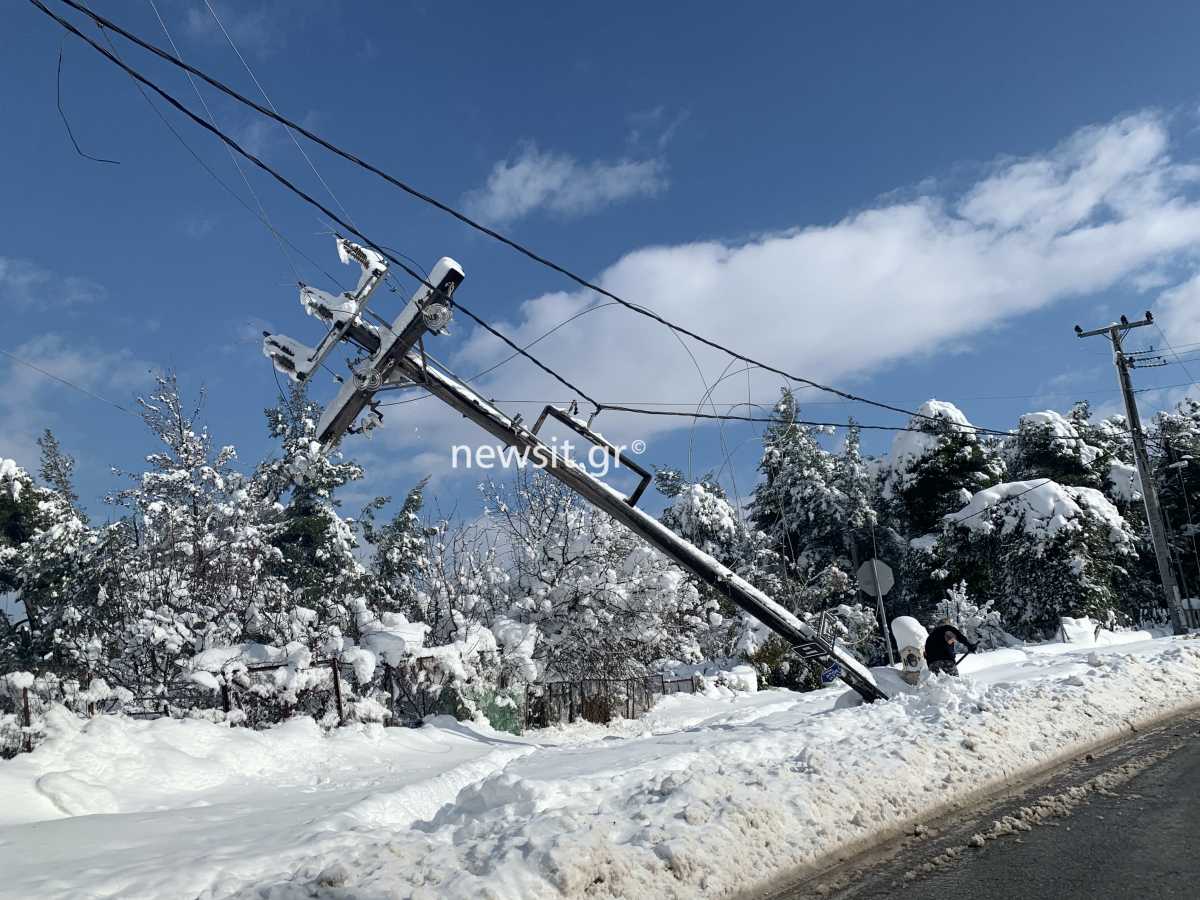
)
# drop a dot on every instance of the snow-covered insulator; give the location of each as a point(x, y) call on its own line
point(288, 355)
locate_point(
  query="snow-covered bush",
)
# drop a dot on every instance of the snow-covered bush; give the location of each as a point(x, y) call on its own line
point(981, 624)
point(604, 603)
point(1035, 551)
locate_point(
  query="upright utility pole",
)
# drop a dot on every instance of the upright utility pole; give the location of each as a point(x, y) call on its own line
point(1158, 529)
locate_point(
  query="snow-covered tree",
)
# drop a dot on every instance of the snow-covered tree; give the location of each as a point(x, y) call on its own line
point(192, 565)
point(1049, 445)
point(317, 545)
point(934, 468)
point(1036, 551)
point(981, 624)
point(798, 504)
point(605, 604)
point(44, 542)
point(401, 551)
point(701, 513)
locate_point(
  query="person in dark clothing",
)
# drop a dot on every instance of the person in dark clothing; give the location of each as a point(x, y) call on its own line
point(941, 647)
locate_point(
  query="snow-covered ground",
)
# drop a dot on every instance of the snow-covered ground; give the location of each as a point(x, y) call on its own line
point(705, 796)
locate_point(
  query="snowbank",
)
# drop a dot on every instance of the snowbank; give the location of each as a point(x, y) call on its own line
point(1088, 632)
point(708, 795)
point(712, 811)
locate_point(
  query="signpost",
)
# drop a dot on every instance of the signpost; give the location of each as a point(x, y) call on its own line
point(875, 577)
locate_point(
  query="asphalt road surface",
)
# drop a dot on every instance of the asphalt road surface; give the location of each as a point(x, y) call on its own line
point(1121, 824)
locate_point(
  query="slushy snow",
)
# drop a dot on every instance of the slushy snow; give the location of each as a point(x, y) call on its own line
point(707, 795)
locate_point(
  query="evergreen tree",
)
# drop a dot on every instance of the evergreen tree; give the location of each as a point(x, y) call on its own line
point(58, 469)
point(1049, 445)
point(191, 565)
point(401, 552)
point(317, 544)
point(798, 505)
point(1035, 554)
point(936, 467)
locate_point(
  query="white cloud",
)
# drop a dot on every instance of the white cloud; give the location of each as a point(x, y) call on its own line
point(837, 302)
point(654, 127)
point(257, 137)
point(26, 285)
point(901, 279)
point(1178, 310)
point(31, 401)
point(254, 28)
point(559, 183)
point(198, 226)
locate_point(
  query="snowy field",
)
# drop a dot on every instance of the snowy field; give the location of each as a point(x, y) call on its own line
point(706, 796)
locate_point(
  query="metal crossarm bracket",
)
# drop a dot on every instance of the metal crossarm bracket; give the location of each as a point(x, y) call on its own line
point(612, 450)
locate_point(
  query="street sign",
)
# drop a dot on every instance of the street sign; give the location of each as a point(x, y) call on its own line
point(810, 651)
point(825, 626)
point(867, 574)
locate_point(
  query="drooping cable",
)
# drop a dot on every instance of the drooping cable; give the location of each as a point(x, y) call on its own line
point(484, 229)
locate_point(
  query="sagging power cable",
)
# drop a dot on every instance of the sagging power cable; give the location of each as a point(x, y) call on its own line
point(299, 192)
point(483, 229)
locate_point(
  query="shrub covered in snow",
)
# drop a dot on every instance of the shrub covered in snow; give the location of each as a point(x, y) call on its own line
point(1035, 551)
point(981, 624)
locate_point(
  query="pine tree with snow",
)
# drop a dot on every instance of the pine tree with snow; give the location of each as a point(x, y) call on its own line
point(935, 467)
point(1050, 445)
point(58, 469)
point(798, 504)
point(44, 547)
point(1037, 551)
point(401, 552)
point(317, 545)
point(191, 564)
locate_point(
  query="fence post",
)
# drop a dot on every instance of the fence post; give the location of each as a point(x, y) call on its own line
point(337, 690)
point(28, 720)
point(226, 699)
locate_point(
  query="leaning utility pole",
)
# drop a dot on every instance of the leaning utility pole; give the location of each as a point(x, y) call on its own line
point(1158, 529)
point(394, 357)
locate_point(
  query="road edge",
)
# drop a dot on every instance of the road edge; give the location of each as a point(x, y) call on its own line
point(779, 885)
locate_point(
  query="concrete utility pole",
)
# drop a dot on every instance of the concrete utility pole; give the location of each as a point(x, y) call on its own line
point(397, 358)
point(1158, 528)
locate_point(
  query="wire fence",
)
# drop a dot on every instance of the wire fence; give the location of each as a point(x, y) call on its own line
point(247, 698)
point(600, 700)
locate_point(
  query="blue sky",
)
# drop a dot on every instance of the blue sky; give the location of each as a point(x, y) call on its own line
point(910, 200)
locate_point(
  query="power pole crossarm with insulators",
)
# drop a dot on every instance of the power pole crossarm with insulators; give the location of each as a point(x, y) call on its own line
point(396, 358)
point(1158, 529)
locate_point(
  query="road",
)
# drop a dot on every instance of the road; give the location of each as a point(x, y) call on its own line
point(1119, 824)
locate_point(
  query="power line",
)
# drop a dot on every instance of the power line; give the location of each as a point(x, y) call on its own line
point(212, 173)
point(483, 229)
point(262, 90)
point(738, 418)
point(308, 198)
point(211, 118)
point(68, 383)
point(66, 123)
